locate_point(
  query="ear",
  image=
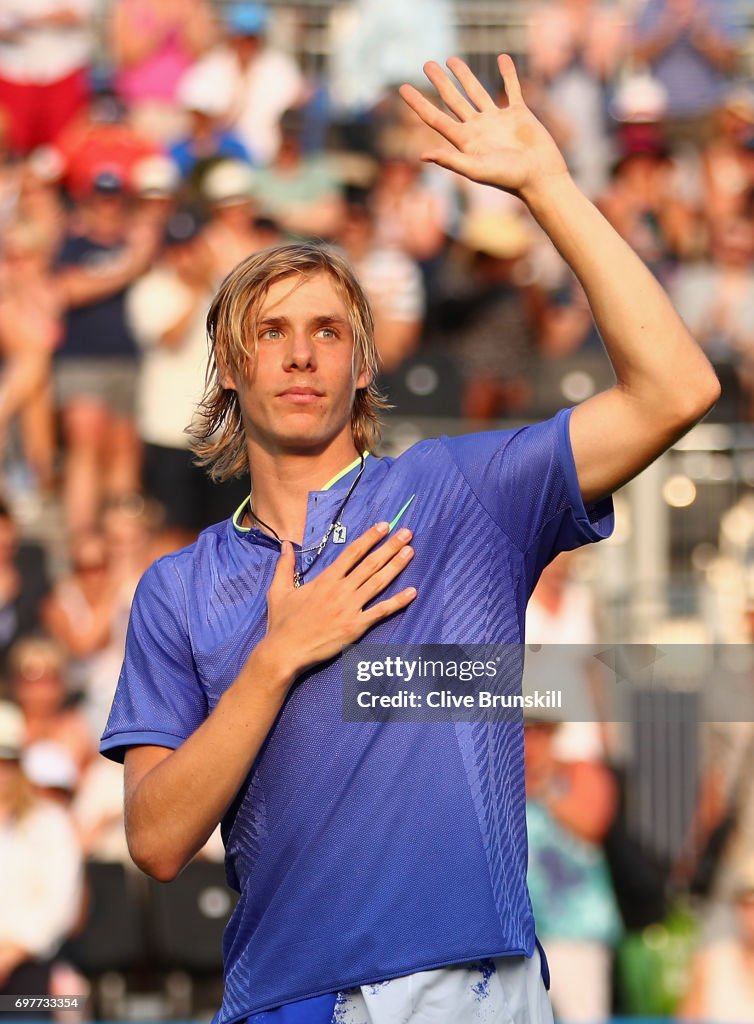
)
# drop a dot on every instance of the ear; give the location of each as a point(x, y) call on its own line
point(363, 380)
point(226, 378)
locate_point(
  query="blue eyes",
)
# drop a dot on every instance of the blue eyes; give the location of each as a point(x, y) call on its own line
point(275, 334)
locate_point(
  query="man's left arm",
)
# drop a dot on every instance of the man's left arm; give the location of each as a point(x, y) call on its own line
point(665, 383)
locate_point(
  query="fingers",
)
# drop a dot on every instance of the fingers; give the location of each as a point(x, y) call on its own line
point(354, 553)
point(471, 84)
point(375, 561)
point(510, 79)
point(429, 113)
point(389, 607)
point(379, 580)
point(451, 96)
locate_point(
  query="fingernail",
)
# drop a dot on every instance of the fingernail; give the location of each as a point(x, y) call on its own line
point(382, 527)
point(406, 552)
point(403, 534)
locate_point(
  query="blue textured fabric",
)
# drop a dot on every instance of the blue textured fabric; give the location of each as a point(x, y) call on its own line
point(366, 851)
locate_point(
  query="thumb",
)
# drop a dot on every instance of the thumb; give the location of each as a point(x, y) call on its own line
point(452, 160)
point(285, 568)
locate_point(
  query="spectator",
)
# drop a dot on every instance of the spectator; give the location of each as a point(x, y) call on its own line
point(231, 233)
point(30, 330)
point(722, 977)
point(40, 872)
point(574, 48)
point(412, 212)
point(691, 47)
point(36, 668)
point(156, 181)
point(727, 161)
point(208, 139)
point(101, 139)
point(96, 366)
point(51, 770)
point(642, 204)
point(484, 301)
point(79, 615)
point(715, 297)
point(561, 617)
point(153, 43)
point(256, 82)
point(392, 281)
point(45, 49)
point(301, 193)
point(98, 814)
point(24, 583)
point(570, 807)
point(167, 310)
point(39, 200)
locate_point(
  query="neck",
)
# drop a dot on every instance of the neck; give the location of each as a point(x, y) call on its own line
point(280, 484)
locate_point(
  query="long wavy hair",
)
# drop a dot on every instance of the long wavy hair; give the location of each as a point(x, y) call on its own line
point(217, 433)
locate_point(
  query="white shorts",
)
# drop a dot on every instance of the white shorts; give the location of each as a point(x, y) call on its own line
point(509, 990)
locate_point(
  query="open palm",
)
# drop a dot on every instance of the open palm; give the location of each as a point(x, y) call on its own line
point(503, 146)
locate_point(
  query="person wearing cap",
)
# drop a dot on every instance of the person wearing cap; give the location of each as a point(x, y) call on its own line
point(721, 987)
point(254, 82)
point(231, 234)
point(155, 181)
point(166, 310)
point(381, 866)
point(486, 296)
point(570, 806)
point(208, 137)
point(95, 366)
point(40, 871)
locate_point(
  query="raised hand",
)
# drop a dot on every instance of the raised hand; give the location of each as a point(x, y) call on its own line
point(312, 623)
point(503, 146)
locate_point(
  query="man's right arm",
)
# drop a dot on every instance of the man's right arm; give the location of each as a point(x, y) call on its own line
point(174, 799)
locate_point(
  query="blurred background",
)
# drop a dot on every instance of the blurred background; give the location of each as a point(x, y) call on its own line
point(146, 147)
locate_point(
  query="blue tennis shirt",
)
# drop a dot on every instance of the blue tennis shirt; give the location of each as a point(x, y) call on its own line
point(366, 851)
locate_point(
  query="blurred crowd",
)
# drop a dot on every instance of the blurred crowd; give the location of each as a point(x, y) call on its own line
point(146, 147)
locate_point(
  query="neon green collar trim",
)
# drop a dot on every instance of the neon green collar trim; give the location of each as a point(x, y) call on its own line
point(339, 476)
point(241, 510)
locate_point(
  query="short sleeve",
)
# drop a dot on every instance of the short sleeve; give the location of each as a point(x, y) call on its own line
point(526, 481)
point(158, 700)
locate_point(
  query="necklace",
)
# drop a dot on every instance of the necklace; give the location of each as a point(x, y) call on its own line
point(336, 529)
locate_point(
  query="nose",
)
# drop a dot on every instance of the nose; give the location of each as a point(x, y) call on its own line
point(299, 352)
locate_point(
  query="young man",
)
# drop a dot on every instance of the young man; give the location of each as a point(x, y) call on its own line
point(382, 867)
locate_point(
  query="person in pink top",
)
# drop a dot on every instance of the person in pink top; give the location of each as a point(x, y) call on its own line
point(153, 43)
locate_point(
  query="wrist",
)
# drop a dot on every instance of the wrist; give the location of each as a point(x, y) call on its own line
point(274, 666)
point(548, 191)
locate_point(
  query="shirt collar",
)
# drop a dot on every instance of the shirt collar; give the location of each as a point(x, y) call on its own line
point(337, 482)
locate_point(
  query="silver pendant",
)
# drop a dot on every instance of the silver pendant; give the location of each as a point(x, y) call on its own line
point(298, 579)
point(339, 534)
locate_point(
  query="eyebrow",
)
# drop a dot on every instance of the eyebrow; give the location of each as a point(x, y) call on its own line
point(320, 321)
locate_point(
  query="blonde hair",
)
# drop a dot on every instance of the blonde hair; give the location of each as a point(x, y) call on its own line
point(217, 433)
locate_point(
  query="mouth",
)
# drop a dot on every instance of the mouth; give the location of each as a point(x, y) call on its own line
point(301, 395)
